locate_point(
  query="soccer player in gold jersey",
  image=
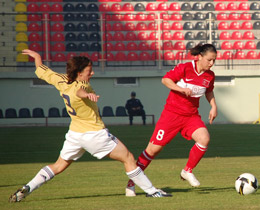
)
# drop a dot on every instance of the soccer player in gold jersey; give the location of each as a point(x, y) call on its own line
point(87, 132)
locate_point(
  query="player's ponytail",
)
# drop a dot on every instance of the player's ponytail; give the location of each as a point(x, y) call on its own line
point(202, 49)
point(75, 65)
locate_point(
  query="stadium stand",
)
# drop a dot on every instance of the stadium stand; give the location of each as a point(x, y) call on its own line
point(24, 113)
point(107, 111)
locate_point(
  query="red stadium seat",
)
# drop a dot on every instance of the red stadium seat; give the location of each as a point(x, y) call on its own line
point(247, 25)
point(245, 16)
point(248, 35)
point(32, 7)
point(118, 26)
point(120, 56)
point(34, 27)
point(35, 47)
point(152, 26)
point(178, 36)
point(129, 26)
point(175, 7)
point(95, 56)
point(144, 56)
point(222, 16)
point(176, 16)
point(226, 45)
point(236, 35)
point(167, 45)
point(220, 6)
point(128, 7)
point(84, 54)
point(116, 7)
point(56, 8)
point(163, 7)
point(57, 17)
point(243, 6)
point(73, 54)
point(143, 46)
point(191, 57)
point(165, 16)
point(131, 46)
point(166, 35)
point(152, 16)
point(109, 56)
point(59, 57)
point(118, 36)
point(58, 47)
point(129, 17)
point(227, 55)
point(107, 37)
point(250, 45)
point(45, 8)
point(34, 37)
point(141, 26)
point(106, 16)
point(177, 26)
point(154, 36)
point(151, 7)
point(108, 46)
point(132, 56)
point(33, 17)
point(155, 56)
point(58, 37)
point(219, 56)
point(232, 6)
point(233, 16)
point(57, 27)
point(180, 55)
point(179, 46)
point(130, 36)
point(251, 55)
point(165, 26)
point(234, 25)
point(142, 36)
point(223, 26)
point(104, 7)
point(168, 56)
point(154, 46)
point(141, 17)
point(238, 45)
point(120, 46)
point(240, 55)
point(107, 27)
point(117, 17)
point(224, 35)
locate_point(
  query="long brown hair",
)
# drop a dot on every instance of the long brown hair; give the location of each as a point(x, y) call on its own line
point(202, 49)
point(76, 65)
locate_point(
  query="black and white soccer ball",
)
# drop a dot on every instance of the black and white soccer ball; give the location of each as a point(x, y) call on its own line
point(246, 184)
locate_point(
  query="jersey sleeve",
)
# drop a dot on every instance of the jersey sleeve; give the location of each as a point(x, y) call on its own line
point(211, 84)
point(86, 86)
point(43, 72)
point(176, 73)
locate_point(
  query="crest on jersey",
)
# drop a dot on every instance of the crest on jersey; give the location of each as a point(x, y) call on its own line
point(205, 82)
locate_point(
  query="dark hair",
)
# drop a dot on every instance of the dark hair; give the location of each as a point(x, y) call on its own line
point(75, 65)
point(202, 49)
point(133, 94)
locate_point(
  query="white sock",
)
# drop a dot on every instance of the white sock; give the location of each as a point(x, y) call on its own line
point(44, 175)
point(141, 180)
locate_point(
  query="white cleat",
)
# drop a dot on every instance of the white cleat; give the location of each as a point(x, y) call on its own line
point(20, 194)
point(190, 178)
point(130, 189)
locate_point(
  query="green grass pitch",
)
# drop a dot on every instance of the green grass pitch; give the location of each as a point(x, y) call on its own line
point(100, 184)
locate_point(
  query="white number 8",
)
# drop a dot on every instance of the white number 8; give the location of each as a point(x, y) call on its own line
point(160, 135)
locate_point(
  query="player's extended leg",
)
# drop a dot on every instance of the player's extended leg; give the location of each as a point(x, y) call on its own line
point(201, 137)
point(44, 175)
point(134, 172)
point(143, 161)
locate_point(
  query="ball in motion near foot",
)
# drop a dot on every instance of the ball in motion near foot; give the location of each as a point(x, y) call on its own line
point(246, 184)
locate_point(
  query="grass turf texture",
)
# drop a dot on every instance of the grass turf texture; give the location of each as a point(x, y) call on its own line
point(95, 184)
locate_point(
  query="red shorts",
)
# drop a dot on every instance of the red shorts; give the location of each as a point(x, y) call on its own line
point(170, 124)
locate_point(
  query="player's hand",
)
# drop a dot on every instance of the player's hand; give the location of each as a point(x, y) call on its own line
point(93, 97)
point(212, 114)
point(31, 53)
point(187, 91)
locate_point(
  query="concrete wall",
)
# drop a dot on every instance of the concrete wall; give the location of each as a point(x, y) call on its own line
point(237, 103)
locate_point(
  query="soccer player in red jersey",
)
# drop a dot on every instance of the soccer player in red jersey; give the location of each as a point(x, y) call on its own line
point(187, 83)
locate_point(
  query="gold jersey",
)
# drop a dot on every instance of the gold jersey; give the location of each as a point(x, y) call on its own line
point(83, 112)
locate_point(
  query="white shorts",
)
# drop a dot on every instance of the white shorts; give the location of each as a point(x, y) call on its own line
point(97, 143)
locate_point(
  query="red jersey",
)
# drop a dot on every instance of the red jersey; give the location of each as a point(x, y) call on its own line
point(186, 76)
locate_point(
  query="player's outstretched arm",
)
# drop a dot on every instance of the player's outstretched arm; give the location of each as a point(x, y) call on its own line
point(213, 112)
point(35, 55)
point(81, 93)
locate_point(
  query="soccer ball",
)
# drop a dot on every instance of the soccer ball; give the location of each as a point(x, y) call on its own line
point(246, 184)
